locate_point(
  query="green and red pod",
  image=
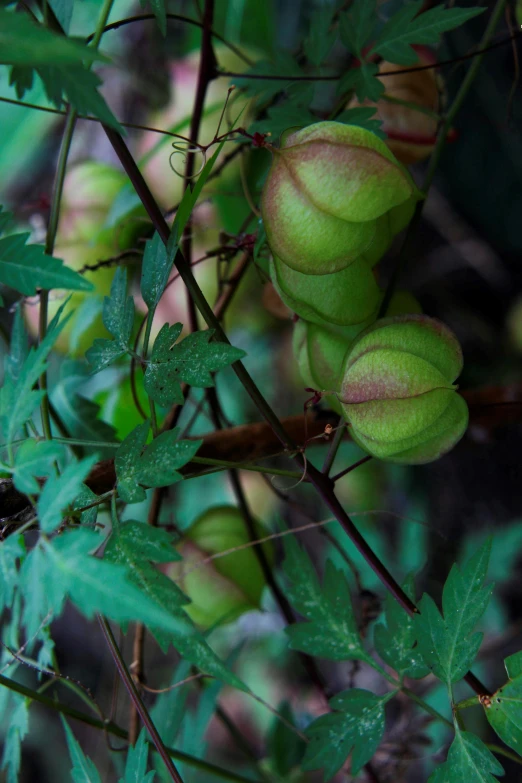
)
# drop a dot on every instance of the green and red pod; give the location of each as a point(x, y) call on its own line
point(398, 392)
point(329, 197)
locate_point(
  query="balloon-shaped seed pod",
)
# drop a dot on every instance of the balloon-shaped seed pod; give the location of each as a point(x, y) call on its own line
point(398, 392)
point(410, 131)
point(326, 189)
point(343, 298)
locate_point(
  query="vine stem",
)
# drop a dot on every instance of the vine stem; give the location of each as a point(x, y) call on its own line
point(323, 484)
point(137, 700)
point(115, 730)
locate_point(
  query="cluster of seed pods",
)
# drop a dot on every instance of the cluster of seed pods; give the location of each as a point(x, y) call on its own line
point(334, 198)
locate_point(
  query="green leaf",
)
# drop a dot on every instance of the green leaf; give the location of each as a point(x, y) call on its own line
point(83, 770)
point(60, 491)
point(136, 766)
point(356, 26)
point(283, 63)
point(26, 268)
point(134, 545)
point(79, 414)
point(332, 630)
point(24, 42)
point(320, 39)
point(505, 711)
point(17, 398)
point(118, 319)
point(408, 27)
point(446, 642)
point(43, 593)
point(99, 587)
point(158, 8)
point(84, 497)
point(118, 309)
point(192, 360)
point(282, 118)
point(155, 271)
point(16, 732)
point(34, 458)
point(79, 86)
point(126, 464)
point(363, 80)
point(11, 550)
point(356, 727)
point(285, 747)
point(396, 642)
point(469, 761)
point(156, 467)
point(63, 10)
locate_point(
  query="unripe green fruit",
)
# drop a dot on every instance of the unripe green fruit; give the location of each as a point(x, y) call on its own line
point(344, 298)
point(224, 588)
point(327, 188)
point(397, 389)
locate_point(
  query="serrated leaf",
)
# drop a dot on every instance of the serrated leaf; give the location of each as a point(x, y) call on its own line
point(102, 353)
point(356, 727)
point(26, 268)
point(126, 464)
point(504, 712)
point(34, 458)
point(43, 594)
point(363, 80)
point(320, 39)
point(136, 766)
point(156, 467)
point(409, 27)
point(131, 545)
point(60, 491)
point(282, 118)
point(446, 642)
point(357, 25)
point(85, 497)
point(17, 398)
point(11, 550)
point(118, 309)
point(331, 631)
point(24, 42)
point(396, 642)
point(79, 86)
point(98, 587)
point(83, 770)
point(469, 761)
point(155, 270)
point(16, 732)
point(192, 360)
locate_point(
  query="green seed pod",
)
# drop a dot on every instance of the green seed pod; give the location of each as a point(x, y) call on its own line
point(343, 298)
point(327, 188)
point(397, 389)
point(224, 588)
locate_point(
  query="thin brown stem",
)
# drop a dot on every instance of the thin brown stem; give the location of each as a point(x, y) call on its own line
point(137, 701)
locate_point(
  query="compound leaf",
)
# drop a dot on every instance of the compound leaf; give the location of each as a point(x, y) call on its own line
point(331, 631)
point(356, 726)
point(135, 545)
point(16, 732)
point(468, 760)
point(34, 458)
point(192, 360)
point(446, 642)
point(83, 770)
point(396, 641)
point(408, 26)
point(136, 766)
point(61, 491)
point(504, 712)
